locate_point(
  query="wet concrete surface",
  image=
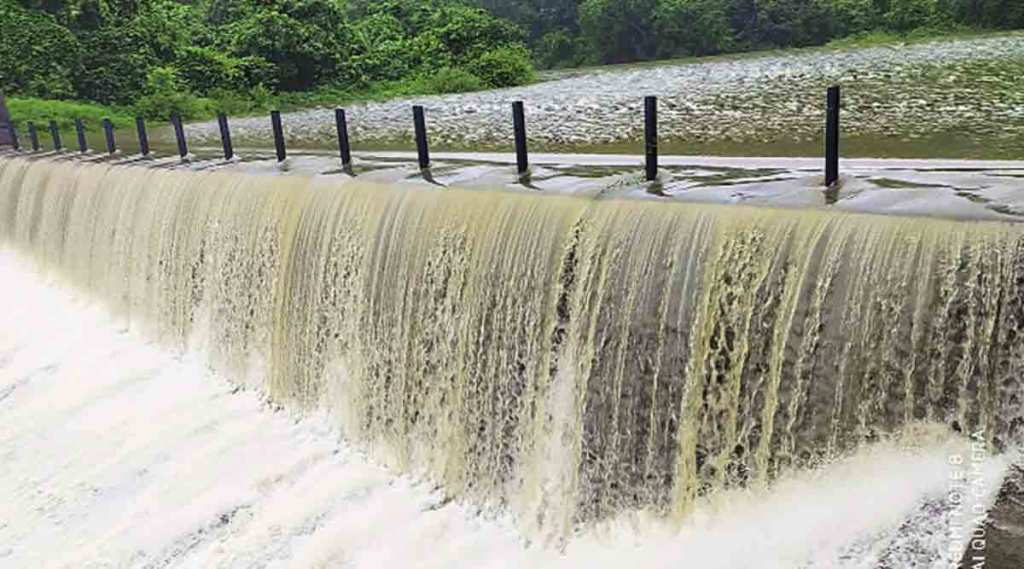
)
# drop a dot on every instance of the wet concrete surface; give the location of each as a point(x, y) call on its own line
point(954, 189)
point(999, 544)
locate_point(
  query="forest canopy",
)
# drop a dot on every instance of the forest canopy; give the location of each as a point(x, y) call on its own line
point(163, 54)
point(573, 32)
point(192, 55)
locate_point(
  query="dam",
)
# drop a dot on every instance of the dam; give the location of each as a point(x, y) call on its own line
point(559, 361)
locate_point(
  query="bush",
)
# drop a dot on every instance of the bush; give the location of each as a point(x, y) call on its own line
point(470, 32)
point(257, 72)
point(206, 70)
point(41, 111)
point(37, 56)
point(256, 100)
point(1005, 14)
point(856, 17)
point(232, 102)
point(306, 41)
point(188, 56)
point(167, 26)
point(795, 23)
point(691, 27)
point(558, 49)
point(381, 50)
point(618, 31)
point(220, 12)
point(427, 51)
point(166, 93)
point(384, 50)
point(115, 63)
point(503, 67)
point(907, 15)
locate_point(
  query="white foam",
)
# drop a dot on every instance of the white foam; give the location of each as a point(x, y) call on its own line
point(115, 452)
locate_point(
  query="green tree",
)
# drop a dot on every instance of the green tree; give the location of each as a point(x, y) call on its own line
point(38, 56)
point(619, 30)
point(692, 27)
point(559, 48)
point(506, 66)
point(393, 39)
point(165, 93)
point(233, 50)
point(783, 23)
point(306, 40)
point(857, 16)
point(469, 32)
point(114, 64)
point(1005, 14)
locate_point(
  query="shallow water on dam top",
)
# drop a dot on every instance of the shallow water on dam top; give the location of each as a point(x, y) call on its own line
point(954, 189)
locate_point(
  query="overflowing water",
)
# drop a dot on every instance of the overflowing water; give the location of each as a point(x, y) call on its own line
point(119, 453)
point(561, 359)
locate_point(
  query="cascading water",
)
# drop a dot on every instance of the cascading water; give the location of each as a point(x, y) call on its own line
point(562, 358)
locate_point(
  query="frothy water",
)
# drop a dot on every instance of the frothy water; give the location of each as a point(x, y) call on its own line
point(564, 362)
point(119, 453)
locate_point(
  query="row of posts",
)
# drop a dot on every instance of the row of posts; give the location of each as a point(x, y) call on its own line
point(108, 135)
point(422, 145)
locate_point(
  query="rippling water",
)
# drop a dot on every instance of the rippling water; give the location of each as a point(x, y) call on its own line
point(950, 98)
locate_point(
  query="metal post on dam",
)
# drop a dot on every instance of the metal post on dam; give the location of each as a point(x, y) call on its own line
point(140, 129)
point(55, 135)
point(179, 134)
point(7, 136)
point(344, 146)
point(108, 135)
point(422, 147)
point(832, 136)
point(225, 136)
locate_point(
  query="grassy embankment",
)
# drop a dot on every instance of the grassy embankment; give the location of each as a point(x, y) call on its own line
point(41, 111)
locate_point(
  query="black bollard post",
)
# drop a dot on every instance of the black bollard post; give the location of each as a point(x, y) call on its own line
point(275, 125)
point(179, 133)
point(343, 144)
point(225, 136)
point(419, 121)
point(80, 131)
point(55, 134)
point(832, 137)
point(33, 136)
point(7, 135)
point(651, 137)
point(519, 133)
point(108, 132)
point(140, 129)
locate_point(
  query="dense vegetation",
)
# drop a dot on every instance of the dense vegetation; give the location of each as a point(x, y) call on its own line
point(244, 55)
point(574, 32)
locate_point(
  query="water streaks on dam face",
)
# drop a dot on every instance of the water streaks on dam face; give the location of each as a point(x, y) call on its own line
point(560, 357)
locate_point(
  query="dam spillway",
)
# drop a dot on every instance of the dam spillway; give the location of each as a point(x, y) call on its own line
point(559, 357)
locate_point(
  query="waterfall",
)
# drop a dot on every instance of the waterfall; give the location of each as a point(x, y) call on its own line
point(558, 357)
